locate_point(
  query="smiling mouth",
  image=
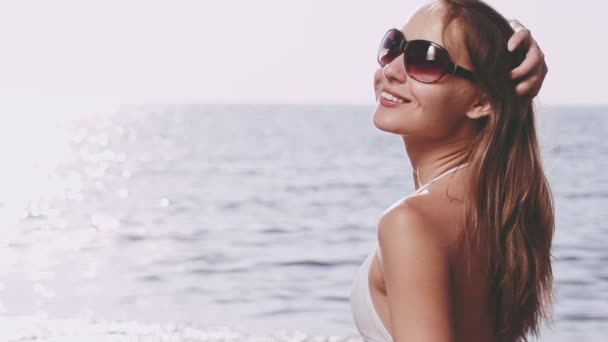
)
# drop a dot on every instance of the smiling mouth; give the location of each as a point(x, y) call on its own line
point(392, 98)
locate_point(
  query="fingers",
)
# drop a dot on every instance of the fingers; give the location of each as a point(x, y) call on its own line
point(531, 86)
point(534, 59)
point(521, 36)
point(533, 69)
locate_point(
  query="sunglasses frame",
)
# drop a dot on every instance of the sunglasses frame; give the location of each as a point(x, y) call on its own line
point(451, 68)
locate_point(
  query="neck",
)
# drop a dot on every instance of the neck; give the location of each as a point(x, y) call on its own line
point(432, 158)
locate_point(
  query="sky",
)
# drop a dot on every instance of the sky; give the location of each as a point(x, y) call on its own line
point(264, 51)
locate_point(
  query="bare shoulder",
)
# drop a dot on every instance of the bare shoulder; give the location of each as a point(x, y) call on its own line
point(437, 214)
point(428, 216)
point(409, 225)
point(415, 263)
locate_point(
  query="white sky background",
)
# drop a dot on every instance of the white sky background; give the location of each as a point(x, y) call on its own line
point(264, 51)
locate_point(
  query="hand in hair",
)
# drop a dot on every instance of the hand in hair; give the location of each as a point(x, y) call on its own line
point(532, 71)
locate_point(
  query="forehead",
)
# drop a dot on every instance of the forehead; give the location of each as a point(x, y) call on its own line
point(427, 23)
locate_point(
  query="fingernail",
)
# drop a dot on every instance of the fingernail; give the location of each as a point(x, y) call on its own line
point(510, 47)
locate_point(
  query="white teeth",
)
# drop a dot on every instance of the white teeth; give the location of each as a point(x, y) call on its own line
point(391, 97)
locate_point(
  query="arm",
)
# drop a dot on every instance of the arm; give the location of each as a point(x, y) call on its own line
point(417, 276)
point(533, 69)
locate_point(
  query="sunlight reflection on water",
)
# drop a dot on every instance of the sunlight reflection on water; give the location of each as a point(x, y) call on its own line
point(250, 217)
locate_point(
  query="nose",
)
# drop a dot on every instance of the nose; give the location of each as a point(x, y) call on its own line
point(395, 70)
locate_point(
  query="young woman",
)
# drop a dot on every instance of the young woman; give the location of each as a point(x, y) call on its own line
point(466, 257)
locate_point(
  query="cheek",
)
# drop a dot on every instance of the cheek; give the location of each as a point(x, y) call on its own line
point(418, 118)
point(452, 97)
point(436, 110)
point(441, 107)
point(377, 81)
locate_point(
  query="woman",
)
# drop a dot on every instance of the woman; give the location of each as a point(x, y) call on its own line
point(466, 257)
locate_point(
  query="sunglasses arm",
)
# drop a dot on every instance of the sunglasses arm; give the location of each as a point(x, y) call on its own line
point(462, 72)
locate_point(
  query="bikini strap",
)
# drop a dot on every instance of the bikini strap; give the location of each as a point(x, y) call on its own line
point(441, 175)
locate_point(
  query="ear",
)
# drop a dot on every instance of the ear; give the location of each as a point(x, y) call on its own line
point(480, 108)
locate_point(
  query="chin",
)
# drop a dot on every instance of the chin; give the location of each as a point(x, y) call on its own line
point(388, 121)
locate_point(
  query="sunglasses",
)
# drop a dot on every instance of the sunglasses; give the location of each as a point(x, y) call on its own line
point(424, 60)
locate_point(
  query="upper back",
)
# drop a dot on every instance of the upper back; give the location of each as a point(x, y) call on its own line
point(441, 205)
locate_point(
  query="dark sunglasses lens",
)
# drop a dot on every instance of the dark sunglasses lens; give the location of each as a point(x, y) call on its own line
point(425, 61)
point(389, 48)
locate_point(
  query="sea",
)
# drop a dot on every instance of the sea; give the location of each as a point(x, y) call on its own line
point(234, 222)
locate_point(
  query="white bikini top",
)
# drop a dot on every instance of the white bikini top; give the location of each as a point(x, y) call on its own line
point(368, 323)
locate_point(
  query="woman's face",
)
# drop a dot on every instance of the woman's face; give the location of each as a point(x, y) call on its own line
point(435, 110)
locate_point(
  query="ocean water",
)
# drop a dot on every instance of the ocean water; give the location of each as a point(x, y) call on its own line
point(243, 223)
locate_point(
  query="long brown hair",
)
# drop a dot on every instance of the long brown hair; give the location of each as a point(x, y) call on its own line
point(509, 211)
